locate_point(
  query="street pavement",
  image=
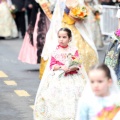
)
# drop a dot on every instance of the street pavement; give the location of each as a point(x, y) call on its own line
point(18, 82)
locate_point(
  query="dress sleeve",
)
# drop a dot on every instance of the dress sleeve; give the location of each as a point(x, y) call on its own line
point(82, 111)
point(54, 62)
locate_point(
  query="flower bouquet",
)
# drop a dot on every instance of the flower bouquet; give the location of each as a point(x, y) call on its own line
point(71, 62)
point(13, 10)
point(79, 12)
point(108, 113)
point(117, 34)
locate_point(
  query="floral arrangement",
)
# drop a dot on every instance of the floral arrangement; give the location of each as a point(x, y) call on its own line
point(108, 113)
point(117, 34)
point(79, 12)
point(70, 62)
point(13, 9)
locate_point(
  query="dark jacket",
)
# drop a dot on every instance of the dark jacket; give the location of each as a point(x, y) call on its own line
point(112, 58)
point(27, 2)
point(108, 3)
point(19, 4)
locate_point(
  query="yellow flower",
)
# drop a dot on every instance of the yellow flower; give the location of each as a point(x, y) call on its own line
point(74, 11)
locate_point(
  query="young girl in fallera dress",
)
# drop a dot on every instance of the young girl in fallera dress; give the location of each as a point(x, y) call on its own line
point(81, 34)
point(103, 94)
point(58, 94)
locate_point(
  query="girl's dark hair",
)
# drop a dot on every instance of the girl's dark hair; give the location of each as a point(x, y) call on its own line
point(69, 33)
point(103, 67)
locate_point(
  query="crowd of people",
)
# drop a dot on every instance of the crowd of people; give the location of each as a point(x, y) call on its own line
point(63, 36)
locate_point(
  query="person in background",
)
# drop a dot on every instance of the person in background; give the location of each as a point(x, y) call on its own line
point(94, 22)
point(8, 27)
point(107, 2)
point(35, 36)
point(20, 15)
point(112, 56)
point(29, 7)
point(103, 93)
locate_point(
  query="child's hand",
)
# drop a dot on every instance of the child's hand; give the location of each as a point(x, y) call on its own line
point(73, 68)
point(30, 6)
point(65, 69)
point(56, 67)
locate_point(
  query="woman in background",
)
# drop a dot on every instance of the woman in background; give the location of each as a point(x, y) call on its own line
point(94, 19)
point(35, 36)
point(7, 24)
point(112, 57)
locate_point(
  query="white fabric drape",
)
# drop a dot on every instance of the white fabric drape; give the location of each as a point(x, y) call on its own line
point(51, 37)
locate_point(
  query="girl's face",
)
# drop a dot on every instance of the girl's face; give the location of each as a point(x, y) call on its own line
point(63, 38)
point(100, 83)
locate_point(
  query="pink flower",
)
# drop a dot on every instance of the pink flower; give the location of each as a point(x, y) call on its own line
point(109, 108)
point(117, 33)
point(99, 114)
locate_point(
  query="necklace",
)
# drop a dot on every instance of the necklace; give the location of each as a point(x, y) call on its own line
point(62, 46)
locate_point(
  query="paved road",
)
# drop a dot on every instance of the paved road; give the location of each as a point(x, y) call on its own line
point(18, 82)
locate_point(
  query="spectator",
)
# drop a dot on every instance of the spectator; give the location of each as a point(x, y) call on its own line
point(107, 2)
point(8, 27)
point(20, 15)
point(29, 7)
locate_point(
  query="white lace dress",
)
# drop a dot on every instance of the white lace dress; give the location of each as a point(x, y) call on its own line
point(57, 97)
point(7, 24)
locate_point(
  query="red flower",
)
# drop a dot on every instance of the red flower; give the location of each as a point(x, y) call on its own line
point(71, 73)
point(73, 57)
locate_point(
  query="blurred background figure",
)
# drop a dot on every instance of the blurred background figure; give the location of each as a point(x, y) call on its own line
point(7, 25)
point(20, 15)
point(35, 35)
point(94, 21)
point(108, 2)
point(112, 57)
point(29, 6)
